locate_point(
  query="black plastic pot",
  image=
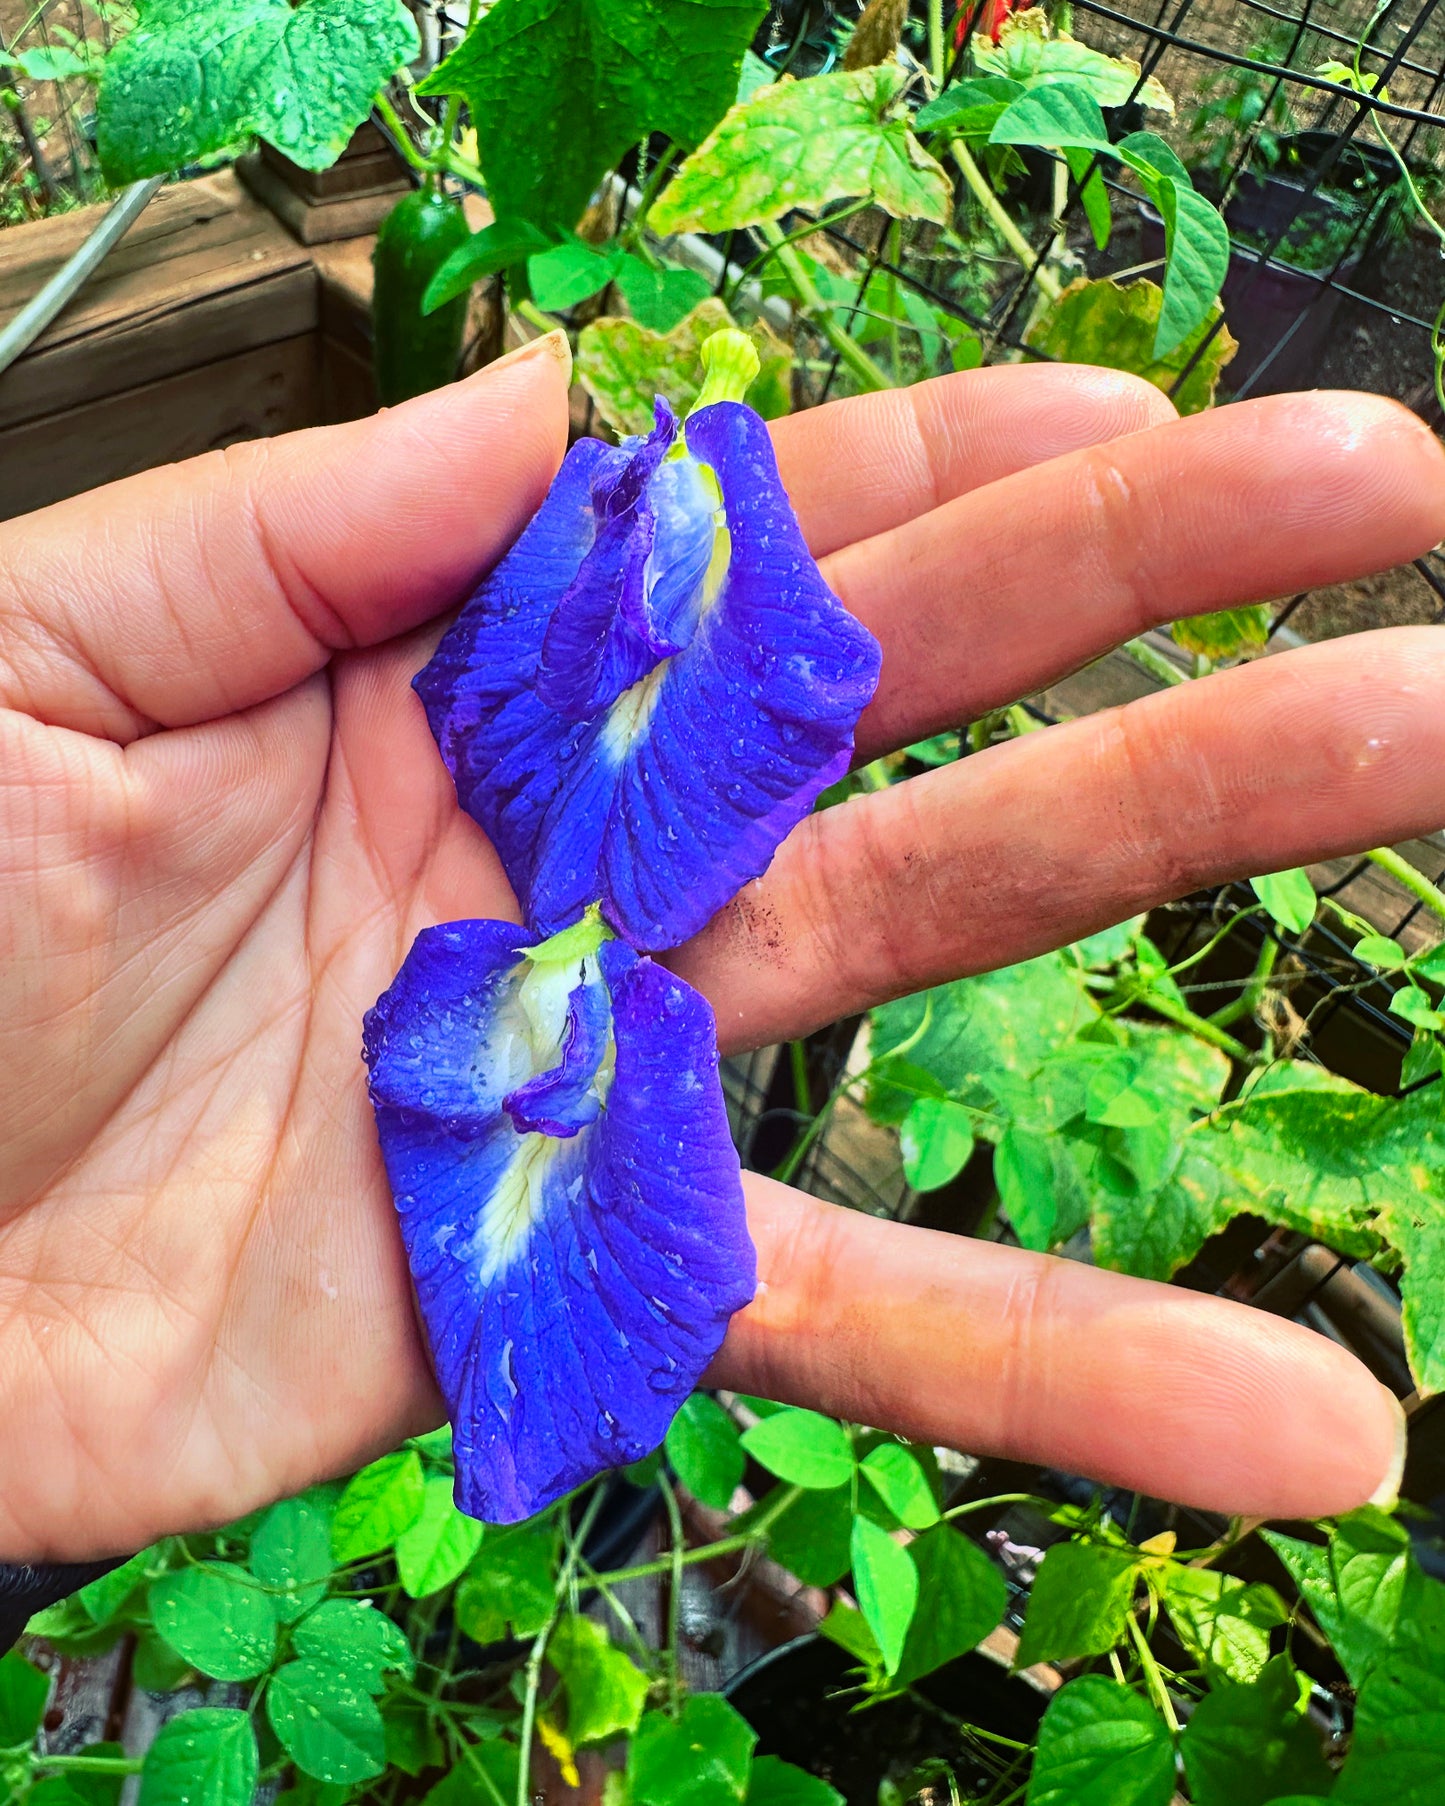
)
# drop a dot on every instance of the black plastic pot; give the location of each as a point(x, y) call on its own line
point(800, 1700)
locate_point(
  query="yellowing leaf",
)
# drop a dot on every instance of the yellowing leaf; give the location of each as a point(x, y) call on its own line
point(624, 365)
point(1113, 325)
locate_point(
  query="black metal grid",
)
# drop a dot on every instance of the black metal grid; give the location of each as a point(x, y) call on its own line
point(47, 134)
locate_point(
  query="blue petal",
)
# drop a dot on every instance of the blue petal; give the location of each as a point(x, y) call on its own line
point(563, 1100)
point(667, 801)
point(573, 1288)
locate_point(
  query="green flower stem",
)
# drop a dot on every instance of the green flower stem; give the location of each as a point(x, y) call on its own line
point(530, 312)
point(423, 165)
point(794, 237)
point(1002, 1498)
point(802, 1091)
point(1003, 221)
point(1201, 1026)
point(1154, 1680)
point(1248, 1000)
point(1410, 877)
point(788, 1496)
point(935, 42)
point(537, 1654)
point(92, 1765)
point(674, 1591)
point(869, 374)
point(1155, 663)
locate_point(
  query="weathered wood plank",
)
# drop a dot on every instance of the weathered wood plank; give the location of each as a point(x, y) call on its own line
point(253, 395)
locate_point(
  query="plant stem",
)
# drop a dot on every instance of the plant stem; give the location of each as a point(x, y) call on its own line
point(529, 311)
point(1003, 222)
point(1200, 1026)
point(454, 101)
point(1155, 663)
point(796, 236)
point(935, 43)
point(393, 122)
point(1413, 879)
point(651, 188)
point(537, 1654)
point(727, 1545)
point(869, 374)
point(674, 1591)
point(1002, 1498)
point(92, 1765)
point(1248, 1000)
point(802, 1091)
point(1158, 1692)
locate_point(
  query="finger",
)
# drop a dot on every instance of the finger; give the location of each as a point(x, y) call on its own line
point(997, 1351)
point(199, 589)
point(860, 466)
point(1007, 588)
point(1006, 854)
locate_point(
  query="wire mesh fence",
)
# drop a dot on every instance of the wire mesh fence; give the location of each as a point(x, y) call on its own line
point(48, 52)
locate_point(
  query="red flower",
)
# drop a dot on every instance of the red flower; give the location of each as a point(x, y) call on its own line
point(992, 14)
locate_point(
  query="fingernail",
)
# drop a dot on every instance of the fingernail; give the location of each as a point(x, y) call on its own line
point(1386, 1495)
point(552, 344)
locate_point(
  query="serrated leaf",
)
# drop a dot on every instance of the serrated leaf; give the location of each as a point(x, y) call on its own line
point(1415, 1229)
point(217, 1619)
point(705, 1450)
point(1225, 632)
point(1196, 254)
point(660, 297)
point(358, 1640)
point(702, 1757)
point(896, 1475)
point(1356, 1585)
point(188, 83)
point(802, 1448)
point(1101, 1744)
point(1289, 897)
point(328, 1725)
point(378, 1505)
point(605, 1691)
point(886, 1584)
point(558, 90)
point(509, 1587)
point(437, 1548)
point(1246, 1745)
point(1030, 51)
point(937, 1139)
point(205, 1757)
point(802, 145)
point(1079, 1602)
point(624, 365)
point(291, 1555)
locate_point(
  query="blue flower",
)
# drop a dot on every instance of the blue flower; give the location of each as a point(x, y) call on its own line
point(653, 687)
point(553, 1127)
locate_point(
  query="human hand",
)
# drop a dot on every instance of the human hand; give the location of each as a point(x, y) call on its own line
point(223, 821)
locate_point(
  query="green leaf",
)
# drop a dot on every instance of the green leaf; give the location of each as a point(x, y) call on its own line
point(103, 1598)
point(486, 1775)
point(74, 1789)
point(23, 1693)
point(773, 1782)
point(413, 1742)
point(1054, 117)
point(963, 1598)
point(1196, 252)
point(886, 1584)
point(811, 1538)
point(568, 273)
point(217, 1620)
point(328, 1725)
point(378, 1505)
point(1416, 1006)
point(509, 1587)
point(50, 63)
point(1227, 633)
point(1356, 1585)
point(1397, 1753)
point(1028, 52)
point(623, 365)
point(357, 1639)
point(1415, 1229)
point(1380, 951)
point(660, 298)
point(189, 83)
point(605, 1691)
point(498, 246)
point(437, 1548)
point(1223, 1623)
point(1093, 194)
point(1289, 897)
point(804, 144)
point(1101, 1744)
point(896, 1475)
point(156, 1667)
point(206, 1757)
point(844, 1626)
point(291, 1555)
point(1246, 1745)
point(1038, 1188)
point(971, 108)
point(802, 1448)
point(703, 1757)
point(1152, 156)
point(1079, 1602)
point(705, 1451)
point(559, 89)
point(937, 1139)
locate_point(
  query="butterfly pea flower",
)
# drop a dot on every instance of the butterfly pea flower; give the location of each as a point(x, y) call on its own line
point(655, 684)
point(555, 1135)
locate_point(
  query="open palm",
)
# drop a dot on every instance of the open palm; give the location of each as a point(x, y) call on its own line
point(222, 821)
